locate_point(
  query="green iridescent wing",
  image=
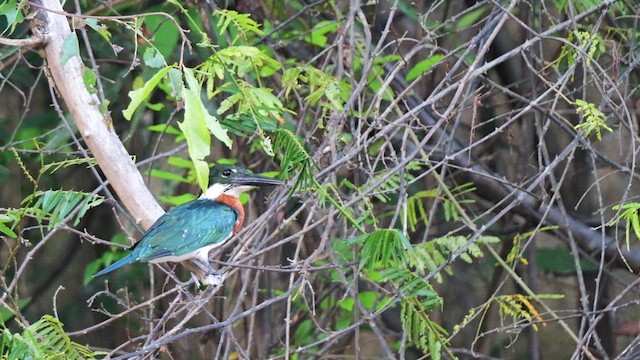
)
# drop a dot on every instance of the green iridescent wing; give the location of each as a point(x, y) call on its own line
point(187, 228)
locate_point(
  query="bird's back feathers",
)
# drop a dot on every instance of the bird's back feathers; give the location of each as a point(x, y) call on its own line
point(181, 232)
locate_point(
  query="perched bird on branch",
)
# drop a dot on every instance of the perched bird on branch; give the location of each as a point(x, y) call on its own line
point(189, 231)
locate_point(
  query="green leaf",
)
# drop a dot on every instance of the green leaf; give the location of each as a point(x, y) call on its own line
point(175, 83)
point(383, 248)
point(196, 102)
point(318, 34)
point(210, 121)
point(89, 79)
point(368, 298)
point(470, 18)
point(198, 137)
point(140, 95)
point(243, 22)
point(180, 162)
point(58, 204)
point(387, 59)
point(44, 339)
point(7, 231)
point(303, 333)
point(6, 314)
point(227, 103)
point(153, 58)
point(167, 175)
point(178, 199)
point(347, 304)
point(165, 34)
point(92, 268)
point(165, 129)
point(13, 12)
point(423, 66)
point(196, 126)
point(99, 28)
point(320, 85)
point(294, 157)
point(594, 119)
point(70, 48)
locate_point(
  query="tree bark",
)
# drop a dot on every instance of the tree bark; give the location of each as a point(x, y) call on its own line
point(52, 27)
point(50, 24)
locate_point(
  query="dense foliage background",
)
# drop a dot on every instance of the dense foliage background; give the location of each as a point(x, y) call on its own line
point(460, 177)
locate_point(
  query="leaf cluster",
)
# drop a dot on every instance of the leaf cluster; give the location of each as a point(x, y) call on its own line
point(594, 119)
point(55, 206)
point(389, 253)
point(44, 339)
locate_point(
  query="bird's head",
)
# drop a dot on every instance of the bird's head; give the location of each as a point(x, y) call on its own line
point(234, 180)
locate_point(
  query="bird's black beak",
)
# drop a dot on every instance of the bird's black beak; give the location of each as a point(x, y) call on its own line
point(254, 180)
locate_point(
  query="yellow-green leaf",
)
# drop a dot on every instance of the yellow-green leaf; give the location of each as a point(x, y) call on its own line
point(196, 126)
point(423, 66)
point(140, 95)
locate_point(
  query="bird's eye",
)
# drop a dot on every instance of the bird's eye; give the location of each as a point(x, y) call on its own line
point(226, 173)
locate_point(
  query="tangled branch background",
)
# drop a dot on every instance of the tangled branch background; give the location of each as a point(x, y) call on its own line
point(460, 177)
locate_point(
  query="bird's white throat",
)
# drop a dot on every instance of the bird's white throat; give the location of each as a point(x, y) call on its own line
point(215, 190)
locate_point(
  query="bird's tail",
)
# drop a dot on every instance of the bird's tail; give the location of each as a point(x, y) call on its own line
point(131, 257)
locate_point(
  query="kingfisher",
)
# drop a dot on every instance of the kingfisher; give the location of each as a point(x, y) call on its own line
point(190, 230)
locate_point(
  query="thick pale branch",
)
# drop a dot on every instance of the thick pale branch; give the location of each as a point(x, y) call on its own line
point(95, 128)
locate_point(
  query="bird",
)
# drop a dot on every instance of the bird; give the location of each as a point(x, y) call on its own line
point(189, 231)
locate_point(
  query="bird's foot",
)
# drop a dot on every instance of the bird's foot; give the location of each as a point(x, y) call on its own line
point(213, 279)
point(212, 276)
point(208, 280)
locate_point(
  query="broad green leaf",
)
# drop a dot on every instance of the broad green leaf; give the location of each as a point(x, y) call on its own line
point(216, 129)
point(343, 322)
point(210, 121)
point(387, 59)
point(347, 304)
point(164, 128)
point(165, 34)
point(92, 268)
point(89, 79)
point(167, 175)
point(178, 199)
point(470, 18)
point(197, 134)
point(7, 231)
point(368, 298)
point(318, 34)
point(175, 82)
point(70, 48)
point(303, 332)
point(140, 95)
point(179, 162)
point(196, 126)
point(13, 13)
point(423, 66)
point(99, 28)
point(153, 58)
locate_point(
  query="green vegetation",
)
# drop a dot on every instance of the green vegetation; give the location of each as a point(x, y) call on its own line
point(444, 163)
